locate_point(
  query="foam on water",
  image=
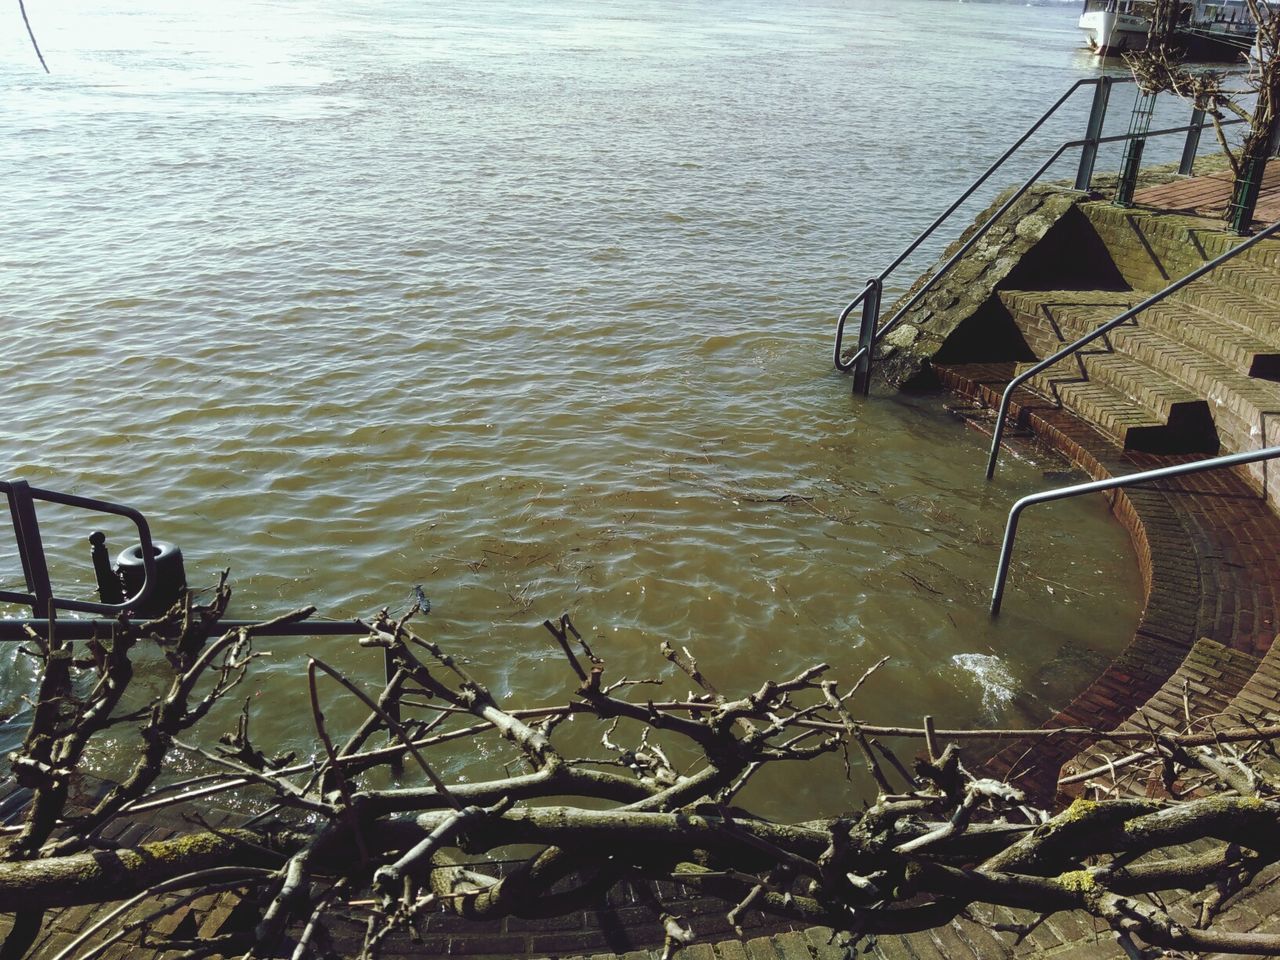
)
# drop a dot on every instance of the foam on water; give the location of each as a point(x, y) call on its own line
point(998, 685)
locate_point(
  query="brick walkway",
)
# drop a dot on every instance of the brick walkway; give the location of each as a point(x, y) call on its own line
point(1208, 196)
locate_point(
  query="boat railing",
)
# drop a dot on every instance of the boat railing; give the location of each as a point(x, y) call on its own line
point(1101, 331)
point(871, 330)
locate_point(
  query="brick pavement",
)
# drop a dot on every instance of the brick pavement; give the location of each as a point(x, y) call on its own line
point(1208, 195)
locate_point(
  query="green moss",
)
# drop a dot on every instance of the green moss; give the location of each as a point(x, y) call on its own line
point(1078, 881)
point(1079, 810)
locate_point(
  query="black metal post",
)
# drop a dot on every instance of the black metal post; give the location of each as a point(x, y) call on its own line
point(1089, 152)
point(867, 338)
point(109, 590)
point(1192, 145)
point(1140, 122)
point(26, 531)
point(1244, 196)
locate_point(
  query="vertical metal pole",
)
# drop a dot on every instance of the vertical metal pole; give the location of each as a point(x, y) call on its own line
point(867, 338)
point(1140, 122)
point(1006, 554)
point(1192, 145)
point(26, 530)
point(1244, 196)
point(109, 589)
point(1097, 114)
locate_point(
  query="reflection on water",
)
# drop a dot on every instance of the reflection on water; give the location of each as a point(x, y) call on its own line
point(532, 307)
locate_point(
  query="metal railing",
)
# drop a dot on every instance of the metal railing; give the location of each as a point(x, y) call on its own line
point(1071, 348)
point(35, 568)
point(1114, 483)
point(42, 600)
point(871, 330)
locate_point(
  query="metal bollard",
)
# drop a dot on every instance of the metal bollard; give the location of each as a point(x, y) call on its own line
point(171, 578)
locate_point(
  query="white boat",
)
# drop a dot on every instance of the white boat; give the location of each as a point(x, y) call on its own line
point(1221, 30)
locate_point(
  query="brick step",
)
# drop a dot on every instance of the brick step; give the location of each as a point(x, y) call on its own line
point(1245, 410)
point(1050, 319)
point(1259, 699)
point(1261, 316)
point(1210, 676)
point(1137, 406)
point(1066, 315)
point(1131, 403)
point(1249, 278)
point(1236, 346)
point(1168, 247)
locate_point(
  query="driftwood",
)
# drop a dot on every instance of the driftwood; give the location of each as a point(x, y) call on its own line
point(936, 842)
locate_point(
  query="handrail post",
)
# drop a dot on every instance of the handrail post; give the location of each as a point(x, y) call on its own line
point(1097, 114)
point(997, 432)
point(1139, 123)
point(867, 338)
point(1187, 166)
point(1006, 554)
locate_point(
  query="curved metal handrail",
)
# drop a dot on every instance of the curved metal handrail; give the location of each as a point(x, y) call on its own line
point(842, 364)
point(1106, 328)
point(20, 495)
point(1113, 483)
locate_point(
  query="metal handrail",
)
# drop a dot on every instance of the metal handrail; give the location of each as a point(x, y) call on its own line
point(842, 364)
point(978, 234)
point(1114, 483)
point(1106, 328)
point(26, 531)
point(946, 214)
point(872, 330)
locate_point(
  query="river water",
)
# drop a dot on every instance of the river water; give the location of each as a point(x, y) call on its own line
point(531, 305)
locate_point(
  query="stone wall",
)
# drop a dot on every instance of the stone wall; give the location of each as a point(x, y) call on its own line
point(1042, 239)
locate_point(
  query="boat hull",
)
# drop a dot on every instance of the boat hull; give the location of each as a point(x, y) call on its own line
point(1112, 34)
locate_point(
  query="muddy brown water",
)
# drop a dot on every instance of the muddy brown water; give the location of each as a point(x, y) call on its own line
point(531, 306)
